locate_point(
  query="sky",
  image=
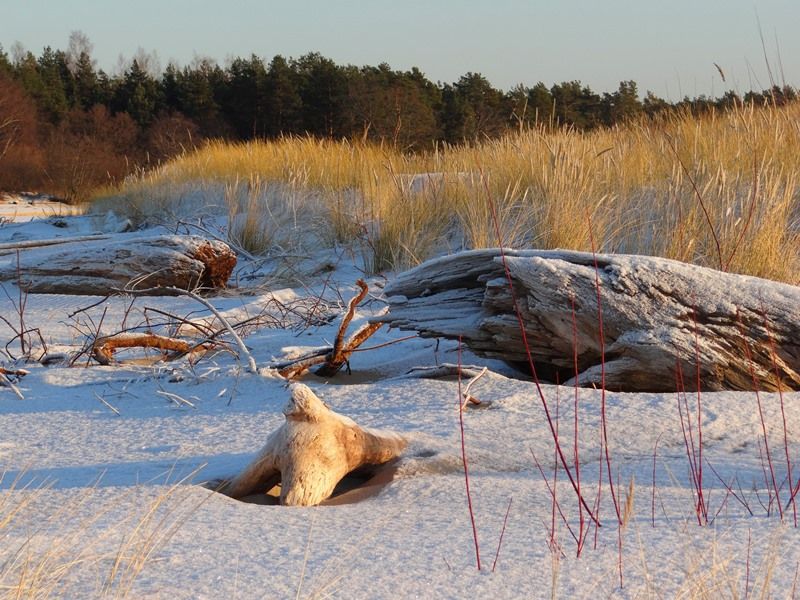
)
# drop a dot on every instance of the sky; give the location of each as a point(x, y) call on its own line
point(668, 48)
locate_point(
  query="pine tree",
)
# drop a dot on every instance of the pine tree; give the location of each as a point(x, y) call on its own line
point(281, 99)
point(243, 100)
point(323, 90)
point(138, 94)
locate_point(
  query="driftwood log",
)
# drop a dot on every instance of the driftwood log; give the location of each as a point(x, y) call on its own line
point(99, 266)
point(311, 452)
point(666, 325)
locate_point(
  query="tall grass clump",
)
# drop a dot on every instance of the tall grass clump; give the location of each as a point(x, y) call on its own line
point(90, 544)
point(719, 190)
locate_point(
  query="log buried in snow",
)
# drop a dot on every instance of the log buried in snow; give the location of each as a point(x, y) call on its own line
point(137, 262)
point(661, 318)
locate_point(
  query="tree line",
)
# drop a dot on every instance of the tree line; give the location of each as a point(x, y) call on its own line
point(67, 126)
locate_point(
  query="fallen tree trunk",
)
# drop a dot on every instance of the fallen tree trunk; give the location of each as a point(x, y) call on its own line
point(310, 453)
point(101, 266)
point(666, 324)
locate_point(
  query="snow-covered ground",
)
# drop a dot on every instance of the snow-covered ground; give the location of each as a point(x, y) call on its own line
point(101, 466)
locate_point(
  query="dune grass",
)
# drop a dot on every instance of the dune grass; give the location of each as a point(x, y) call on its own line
point(720, 190)
point(89, 540)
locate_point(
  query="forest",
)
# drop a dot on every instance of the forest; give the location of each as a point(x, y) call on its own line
point(67, 127)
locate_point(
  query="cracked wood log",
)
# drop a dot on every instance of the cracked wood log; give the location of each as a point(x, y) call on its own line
point(661, 318)
point(311, 452)
point(88, 266)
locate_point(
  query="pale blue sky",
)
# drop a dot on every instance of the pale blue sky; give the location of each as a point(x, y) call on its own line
point(667, 46)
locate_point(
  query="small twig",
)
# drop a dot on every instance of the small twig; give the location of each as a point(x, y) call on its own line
point(502, 533)
point(202, 328)
point(6, 381)
point(251, 363)
point(99, 397)
point(85, 308)
point(671, 144)
point(341, 348)
point(351, 308)
point(175, 398)
point(384, 344)
point(466, 468)
point(443, 370)
point(466, 395)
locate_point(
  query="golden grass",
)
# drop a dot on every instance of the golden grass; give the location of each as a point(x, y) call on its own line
point(83, 541)
point(719, 190)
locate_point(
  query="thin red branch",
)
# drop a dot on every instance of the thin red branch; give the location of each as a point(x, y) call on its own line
point(562, 458)
point(749, 356)
point(601, 339)
point(697, 193)
point(502, 533)
point(464, 461)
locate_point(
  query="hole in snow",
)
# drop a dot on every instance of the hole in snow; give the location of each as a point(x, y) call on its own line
point(356, 486)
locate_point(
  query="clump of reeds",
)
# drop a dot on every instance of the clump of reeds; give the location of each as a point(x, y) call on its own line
point(84, 544)
point(719, 190)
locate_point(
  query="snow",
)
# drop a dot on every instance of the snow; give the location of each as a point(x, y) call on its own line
point(109, 503)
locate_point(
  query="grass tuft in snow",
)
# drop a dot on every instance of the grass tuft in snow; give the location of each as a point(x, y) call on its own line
point(717, 190)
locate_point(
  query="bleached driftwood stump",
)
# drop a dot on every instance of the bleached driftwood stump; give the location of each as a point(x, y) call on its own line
point(311, 452)
point(661, 318)
point(98, 266)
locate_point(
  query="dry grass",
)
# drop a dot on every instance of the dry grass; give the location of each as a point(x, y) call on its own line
point(88, 541)
point(635, 188)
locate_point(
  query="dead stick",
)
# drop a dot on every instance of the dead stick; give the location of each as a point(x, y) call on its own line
point(251, 363)
point(103, 348)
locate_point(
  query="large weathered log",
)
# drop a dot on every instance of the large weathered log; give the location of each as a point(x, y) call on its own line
point(136, 262)
point(311, 452)
point(661, 318)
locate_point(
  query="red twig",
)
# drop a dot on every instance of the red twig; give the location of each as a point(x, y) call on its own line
point(464, 460)
point(576, 437)
point(750, 363)
point(601, 337)
point(557, 504)
point(555, 477)
point(746, 226)
point(502, 533)
point(619, 545)
point(729, 487)
point(701, 500)
point(747, 566)
point(773, 356)
point(653, 497)
point(523, 334)
point(700, 200)
point(688, 440)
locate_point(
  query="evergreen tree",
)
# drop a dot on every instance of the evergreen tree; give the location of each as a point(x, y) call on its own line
point(86, 88)
point(323, 90)
point(392, 106)
point(243, 101)
point(473, 109)
point(540, 103)
point(138, 94)
point(622, 104)
point(43, 79)
point(576, 105)
point(194, 96)
point(653, 105)
point(283, 106)
point(6, 68)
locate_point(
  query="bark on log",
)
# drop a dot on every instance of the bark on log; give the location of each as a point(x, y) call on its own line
point(135, 262)
point(311, 452)
point(661, 318)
